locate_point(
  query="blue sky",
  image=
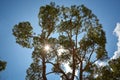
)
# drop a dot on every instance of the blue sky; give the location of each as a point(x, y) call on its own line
point(14, 11)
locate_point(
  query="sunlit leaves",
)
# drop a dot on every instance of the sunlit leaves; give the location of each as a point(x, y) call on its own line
point(48, 16)
point(23, 33)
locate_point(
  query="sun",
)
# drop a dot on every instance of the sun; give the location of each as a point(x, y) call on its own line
point(47, 47)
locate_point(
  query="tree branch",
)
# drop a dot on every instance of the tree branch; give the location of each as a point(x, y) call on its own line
point(61, 71)
point(50, 73)
point(87, 63)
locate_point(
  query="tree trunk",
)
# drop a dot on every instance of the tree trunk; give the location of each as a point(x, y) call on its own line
point(81, 72)
point(73, 65)
point(44, 69)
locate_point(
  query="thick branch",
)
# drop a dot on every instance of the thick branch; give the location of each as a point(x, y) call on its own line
point(44, 69)
point(74, 65)
point(61, 71)
point(81, 71)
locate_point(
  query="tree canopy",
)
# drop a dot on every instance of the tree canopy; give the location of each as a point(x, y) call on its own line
point(80, 42)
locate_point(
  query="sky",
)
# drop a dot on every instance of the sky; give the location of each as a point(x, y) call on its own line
point(14, 11)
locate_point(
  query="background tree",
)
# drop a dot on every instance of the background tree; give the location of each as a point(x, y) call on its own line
point(109, 72)
point(80, 42)
point(115, 68)
point(2, 65)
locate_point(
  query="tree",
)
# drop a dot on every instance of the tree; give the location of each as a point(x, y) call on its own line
point(104, 73)
point(25, 37)
point(83, 37)
point(80, 38)
point(115, 66)
point(2, 65)
point(111, 71)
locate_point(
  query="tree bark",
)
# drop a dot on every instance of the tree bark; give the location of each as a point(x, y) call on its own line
point(73, 65)
point(44, 69)
point(81, 72)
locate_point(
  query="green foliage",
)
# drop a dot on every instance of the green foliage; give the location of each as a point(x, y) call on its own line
point(2, 65)
point(79, 33)
point(104, 73)
point(85, 43)
point(97, 35)
point(115, 66)
point(65, 41)
point(101, 52)
point(48, 15)
point(34, 72)
point(79, 22)
point(110, 71)
point(23, 33)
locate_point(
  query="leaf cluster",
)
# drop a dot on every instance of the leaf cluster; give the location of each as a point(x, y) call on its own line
point(2, 65)
point(23, 32)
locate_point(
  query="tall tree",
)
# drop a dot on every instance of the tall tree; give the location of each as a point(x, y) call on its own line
point(48, 17)
point(82, 35)
point(80, 42)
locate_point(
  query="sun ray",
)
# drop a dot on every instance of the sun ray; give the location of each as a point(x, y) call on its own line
point(47, 47)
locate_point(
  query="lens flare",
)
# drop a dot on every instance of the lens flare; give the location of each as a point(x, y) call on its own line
point(47, 47)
